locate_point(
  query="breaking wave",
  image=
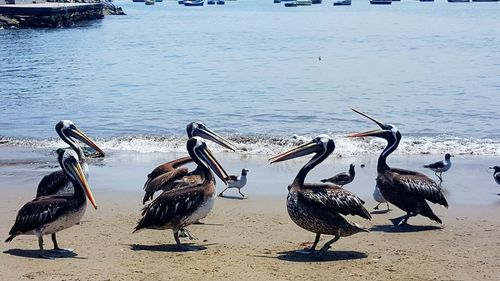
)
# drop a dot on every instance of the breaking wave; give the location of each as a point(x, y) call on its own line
point(270, 145)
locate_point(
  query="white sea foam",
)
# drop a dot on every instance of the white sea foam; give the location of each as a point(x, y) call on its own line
point(269, 145)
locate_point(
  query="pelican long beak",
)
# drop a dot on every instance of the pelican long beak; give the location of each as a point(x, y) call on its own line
point(372, 133)
point(295, 152)
point(81, 136)
point(80, 177)
point(380, 124)
point(208, 134)
point(214, 164)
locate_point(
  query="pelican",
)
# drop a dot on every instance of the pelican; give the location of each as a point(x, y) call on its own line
point(58, 181)
point(177, 208)
point(53, 213)
point(440, 166)
point(496, 174)
point(377, 196)
point(318, 207)
point(342, 178)
point(172, 174)
point(237, 182)
point(406, 189)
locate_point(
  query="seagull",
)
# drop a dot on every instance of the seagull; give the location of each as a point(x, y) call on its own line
point(496, 174)
point(237, 182)
point(342, 178)
point(377, 196)
point(440, 166)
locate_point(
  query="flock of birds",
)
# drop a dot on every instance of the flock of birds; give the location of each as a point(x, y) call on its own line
point(187, 196)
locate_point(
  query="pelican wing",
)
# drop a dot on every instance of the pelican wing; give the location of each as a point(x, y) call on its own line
point(37, 213)
point(169, 166)
point(420, 185)
point(163, 182)
point(52, 183)
point(335, 199)
point(171, 206)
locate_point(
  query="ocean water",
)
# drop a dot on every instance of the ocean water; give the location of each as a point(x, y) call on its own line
point(264, 75)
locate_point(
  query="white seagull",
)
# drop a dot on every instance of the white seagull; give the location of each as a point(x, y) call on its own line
point(237, 182)
point(440, 166)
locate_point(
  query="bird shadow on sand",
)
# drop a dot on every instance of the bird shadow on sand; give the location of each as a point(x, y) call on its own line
point(379, 212)
point(169, 248)
point(294, 256)
point(233, 197)
point(36, 254)
point(402, 229)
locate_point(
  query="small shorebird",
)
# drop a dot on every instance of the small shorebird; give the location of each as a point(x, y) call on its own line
point(53, 213)
point(173, 174)
point(342, 178)
point(496, 174)
point(440, 166)
point(58, 181)
point(177, 208)
point(408, 190)
point(317, 207)
point(377, 196)
point(236, 182)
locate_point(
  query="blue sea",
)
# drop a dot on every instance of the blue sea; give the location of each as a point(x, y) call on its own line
point(262, 74)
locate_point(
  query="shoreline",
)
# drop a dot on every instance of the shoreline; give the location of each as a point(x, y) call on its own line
point(255, 239)
point(252, 239)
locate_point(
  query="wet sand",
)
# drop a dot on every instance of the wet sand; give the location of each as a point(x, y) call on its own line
point(251, 239)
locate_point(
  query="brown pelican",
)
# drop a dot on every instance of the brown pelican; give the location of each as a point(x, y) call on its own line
point(58, 182)
point(318, 207)
point(342, 178)
point(406, 189)
point(177, 208)
point(171, 174)
point(237, 182)
point(440, 166)
point(53, 213)
point(496, 174)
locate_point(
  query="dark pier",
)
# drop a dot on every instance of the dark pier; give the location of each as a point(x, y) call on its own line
point(49, 14)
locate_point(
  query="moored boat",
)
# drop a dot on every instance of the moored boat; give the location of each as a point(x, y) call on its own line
point(193, 2)
point(458, 1)
point(380, 2)
point(221, 2)
point(342, 3)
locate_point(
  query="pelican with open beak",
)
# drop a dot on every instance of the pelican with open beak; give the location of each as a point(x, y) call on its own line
point(177, 208)
point(51, 214)
point(408, 190)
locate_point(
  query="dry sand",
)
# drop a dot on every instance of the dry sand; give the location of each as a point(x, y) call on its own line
point(254, 239)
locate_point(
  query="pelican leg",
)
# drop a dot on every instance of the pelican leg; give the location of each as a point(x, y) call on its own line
point(325, 247)
point(176, 237)
point(311, 250)
point(56, 246)
point(388, 209)
point(184, 233)
point(54, 240)
point(376, 207)
point(221, 194)
point(403, 220)
point(40, 242)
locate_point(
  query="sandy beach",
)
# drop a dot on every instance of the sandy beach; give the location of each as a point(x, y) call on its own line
point(252, 239)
